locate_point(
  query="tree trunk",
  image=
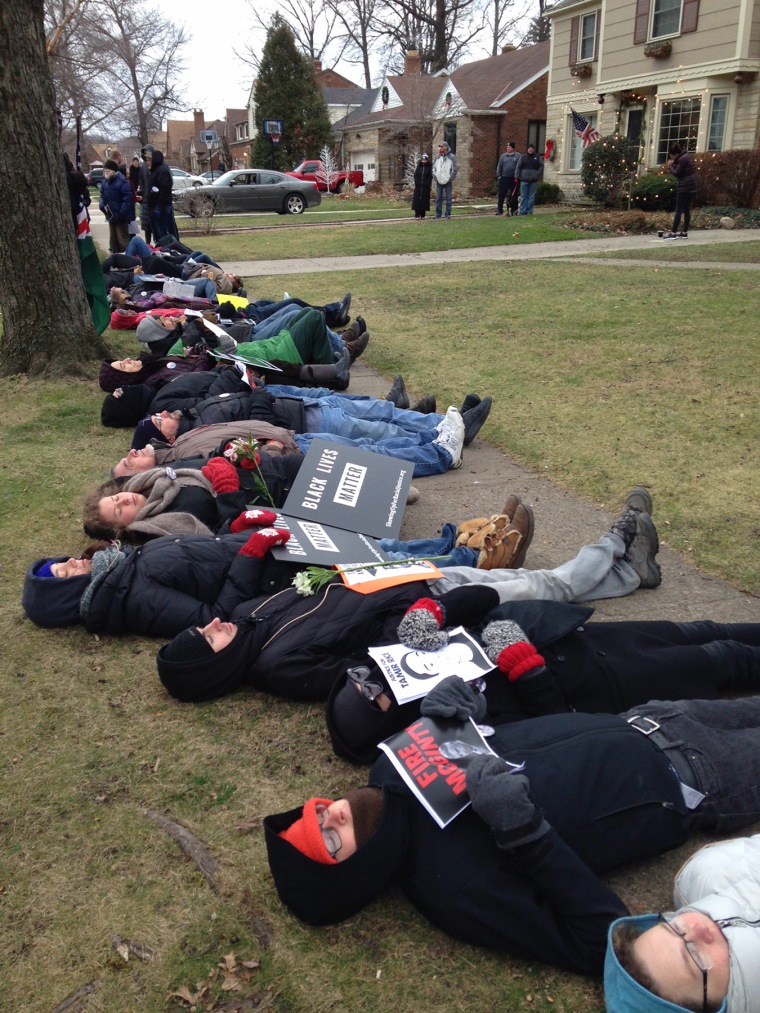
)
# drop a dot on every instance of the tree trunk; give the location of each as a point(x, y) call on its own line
point(47, 328)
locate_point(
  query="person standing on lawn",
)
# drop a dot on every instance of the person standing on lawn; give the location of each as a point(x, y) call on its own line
point(530, 169)
point(423, 182)
point(444, 173)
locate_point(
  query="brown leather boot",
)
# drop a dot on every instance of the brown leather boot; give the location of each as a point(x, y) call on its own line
point(523, 524)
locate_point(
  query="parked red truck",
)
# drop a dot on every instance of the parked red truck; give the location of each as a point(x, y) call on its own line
point(311, 169)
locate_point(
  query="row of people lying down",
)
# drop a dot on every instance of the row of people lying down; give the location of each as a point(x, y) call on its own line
point(522, 864)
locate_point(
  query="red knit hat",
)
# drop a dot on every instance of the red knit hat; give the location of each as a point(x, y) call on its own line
point(306, 835)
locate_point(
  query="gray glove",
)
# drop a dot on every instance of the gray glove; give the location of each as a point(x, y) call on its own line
point(499, 634)
point(454, 698)
point(421, 630)
point(503, 802)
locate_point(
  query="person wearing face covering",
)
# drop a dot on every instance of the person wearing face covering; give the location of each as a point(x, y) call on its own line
point(518, 870)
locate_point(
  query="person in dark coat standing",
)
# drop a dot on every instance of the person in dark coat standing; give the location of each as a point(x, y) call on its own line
point(142, 192)
point(423, 181)
point(159, 196)
point(117, 202)
point(681, 165)
point(529, 171)
point(79, 192)
point(506, 171)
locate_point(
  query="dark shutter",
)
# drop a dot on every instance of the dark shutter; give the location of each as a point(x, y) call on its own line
point(574, 29)
point(690, 16)
point(641, 23)
point(596, 36)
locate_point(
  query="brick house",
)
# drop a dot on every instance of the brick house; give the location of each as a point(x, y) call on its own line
point(477, 108)
point(657, 71)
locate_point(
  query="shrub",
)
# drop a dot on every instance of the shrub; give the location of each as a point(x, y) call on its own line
point(654, 191)
point(729, 177)
point(606, 166)
point(547, 193)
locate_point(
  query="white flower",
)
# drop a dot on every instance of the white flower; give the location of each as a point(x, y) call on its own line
point(302, 584)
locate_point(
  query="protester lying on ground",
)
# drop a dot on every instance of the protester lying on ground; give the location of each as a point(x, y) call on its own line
point(165, 502)
point(582, 666)
point(296, 647)
point(171, 582)
point(705, 955)
point(432, 442)
point(591, 792)
point(152, 370)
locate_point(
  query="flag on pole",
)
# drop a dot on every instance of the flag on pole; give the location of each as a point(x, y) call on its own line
point(583, 129)
point(92, 273)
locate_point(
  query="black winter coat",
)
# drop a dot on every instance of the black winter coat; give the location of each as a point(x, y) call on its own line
point(423, 181)
point(160, 182)
point(172, 583)
point(609, 795)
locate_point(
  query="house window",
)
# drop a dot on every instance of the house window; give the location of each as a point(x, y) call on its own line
point(587, 37)
point(716, 132)
point(370, 165)
point(576, 144)
point(241, 131)
point(666, 18)
point(634, 128)
point(537, 135)
point(450, 136)
point(679, 123)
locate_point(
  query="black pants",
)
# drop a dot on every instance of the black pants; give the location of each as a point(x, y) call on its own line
point(683, 207)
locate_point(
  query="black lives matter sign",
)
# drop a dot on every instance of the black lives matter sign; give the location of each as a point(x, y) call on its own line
point(356, 490)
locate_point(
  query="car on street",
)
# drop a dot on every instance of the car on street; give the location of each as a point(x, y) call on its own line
point(183, 180)
point(95, 176)
point(252, 190)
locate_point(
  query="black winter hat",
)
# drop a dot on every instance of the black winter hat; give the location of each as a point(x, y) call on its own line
point(110, 164)
point(188, 646)
point(52, 601)
point(145, 431)
point(193, 675)
point(110, 378)
point(127, 410)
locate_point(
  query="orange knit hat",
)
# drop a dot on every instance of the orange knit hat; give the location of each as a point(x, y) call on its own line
point(305, 834)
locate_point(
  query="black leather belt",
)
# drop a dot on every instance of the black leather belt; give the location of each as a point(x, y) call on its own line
point(677, 760)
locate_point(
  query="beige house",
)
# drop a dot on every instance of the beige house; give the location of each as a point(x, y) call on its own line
point(657, 71)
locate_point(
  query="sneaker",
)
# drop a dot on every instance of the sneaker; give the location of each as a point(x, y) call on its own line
point(475, 419)
point(640, 554)
point(451, 435)
point(670, 235)
point(682, 235)
point(469, 403)
point(625, 526)
point(426, 405)
point(397, 395)
point(639, 499)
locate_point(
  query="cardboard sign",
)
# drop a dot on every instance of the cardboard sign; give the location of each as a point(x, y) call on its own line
point(438, 782)
point(179, 289)
point(321, 545)
point(351, 489)
point(374, 578)
point(412, 674)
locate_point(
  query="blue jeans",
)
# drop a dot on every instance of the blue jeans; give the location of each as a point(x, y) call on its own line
point(440, 190)
point(278, 320)
point(137, 248)
point(380, 427)
point(527, 196)
point(424, 548)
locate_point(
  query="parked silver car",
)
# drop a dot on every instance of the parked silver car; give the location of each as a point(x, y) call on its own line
point(252, 190)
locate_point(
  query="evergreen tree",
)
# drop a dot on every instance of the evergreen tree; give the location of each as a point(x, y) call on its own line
point(287, 90)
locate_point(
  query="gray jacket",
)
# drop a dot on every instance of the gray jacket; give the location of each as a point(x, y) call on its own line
point(508, 165)
point(443, 173)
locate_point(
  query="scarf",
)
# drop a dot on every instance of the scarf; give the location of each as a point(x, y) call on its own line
point(162, 486)
point(102, 564)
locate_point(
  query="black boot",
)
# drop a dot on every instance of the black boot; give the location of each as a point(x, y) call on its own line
point(397, 395)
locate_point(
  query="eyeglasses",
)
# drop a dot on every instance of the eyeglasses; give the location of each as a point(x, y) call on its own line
point(330, 836)
point(702, 960)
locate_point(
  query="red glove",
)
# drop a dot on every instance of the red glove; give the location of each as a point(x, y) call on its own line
point(517, 659)
point(250, 464)
point(262, 541)
point(254, 518)
point(434, 607)
point(222, 475)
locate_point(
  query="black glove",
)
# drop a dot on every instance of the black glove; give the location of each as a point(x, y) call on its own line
point(503, 802)
point(454, 698)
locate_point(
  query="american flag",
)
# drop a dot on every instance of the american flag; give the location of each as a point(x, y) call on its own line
point(583, 129)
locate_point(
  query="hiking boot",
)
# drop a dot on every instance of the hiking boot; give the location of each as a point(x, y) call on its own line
point(470, 402)
point(426, 405)
point(510, 505)
point(451, 435)
point(341, 313)
point(397, 395)
point(640, 554)
point(625, 526)
point(357, 328)
point(523, 523)
point(639, 499)
point(474, 419)
point(355, 348)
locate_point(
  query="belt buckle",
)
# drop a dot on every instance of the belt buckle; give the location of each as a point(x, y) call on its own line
point(651, 726)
